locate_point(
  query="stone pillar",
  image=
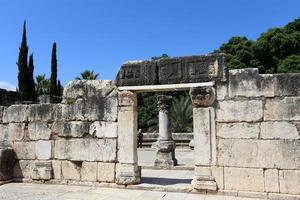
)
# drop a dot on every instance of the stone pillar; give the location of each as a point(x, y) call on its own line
point(127, 170)
point(165, 145)
point(204, 137)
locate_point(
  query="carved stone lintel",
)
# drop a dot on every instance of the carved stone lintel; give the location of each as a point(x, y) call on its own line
point(127, 98)
point(202, 96)
point(164, 102)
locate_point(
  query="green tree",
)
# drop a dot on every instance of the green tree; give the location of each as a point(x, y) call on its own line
point(87, 75)
point(290, 64)
point(53, 78)
point(31, 84)
point(42, 85)
point(160, 57)
point(60, 89)
point(22, 66)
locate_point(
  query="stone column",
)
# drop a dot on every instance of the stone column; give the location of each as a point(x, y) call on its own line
point(204, 137)
point(127, 170)
point(165, 145)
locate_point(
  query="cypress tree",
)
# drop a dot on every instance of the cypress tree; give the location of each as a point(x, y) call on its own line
point(53, 78)
point(31, 84)
point(22, 66)
point(59, 88)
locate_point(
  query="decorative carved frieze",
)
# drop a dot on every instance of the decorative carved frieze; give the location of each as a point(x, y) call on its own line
point(202, 96)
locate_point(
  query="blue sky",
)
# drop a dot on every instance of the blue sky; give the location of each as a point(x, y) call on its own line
point(101, 34)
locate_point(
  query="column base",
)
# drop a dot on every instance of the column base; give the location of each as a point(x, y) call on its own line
point(128, 174)
point(165, 154)
point(203, 179)
point(204, 184)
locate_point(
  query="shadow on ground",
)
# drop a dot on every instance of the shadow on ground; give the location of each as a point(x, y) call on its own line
point(165, 181)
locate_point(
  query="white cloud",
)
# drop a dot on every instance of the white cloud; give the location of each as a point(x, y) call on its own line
point(7, 86)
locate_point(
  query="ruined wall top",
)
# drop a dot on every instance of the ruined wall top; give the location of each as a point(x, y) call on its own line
point(189, 69)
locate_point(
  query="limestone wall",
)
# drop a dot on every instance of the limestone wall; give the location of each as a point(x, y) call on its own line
point(72, 141)
point(258, 133)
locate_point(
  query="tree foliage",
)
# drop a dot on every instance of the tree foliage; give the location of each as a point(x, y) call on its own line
point(42, 86)
point(87, 75)
point(53, 78)
point(268, 52)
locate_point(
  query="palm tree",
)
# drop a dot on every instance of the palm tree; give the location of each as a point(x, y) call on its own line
point(87, 75)
point(42, 85)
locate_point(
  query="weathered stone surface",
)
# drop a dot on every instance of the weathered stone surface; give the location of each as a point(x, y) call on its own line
point(127, 136)
point(173, 70)
point(202, 96)
point(70, 129)
point(23, 168)
point(15, 113)
point(92, 109)
point(218, 174)
point(89, 171)
point(202, 135)
point(137, 73)
point(277, 196)
point(8, 98)
point(271, 180)
point(1, 113)
point(12, 131)
point(222, 92)
point(287, 108)
point(24, 150)
point(42, 170)
point(244, 179)
point(127, 174)
point(279, 130)
point(289, 181)
point(165, 154)
point(106, 172)
point(40, 112)
point(240, 111)
point(86, 149)
point(287, 84)
point(7, 161)
point(56, 165)
point(43, 149)
point(238, 130)
point(102, 129)
point(127, 98)
point(39, 131)
point(71, 170)
point(249, 83)
point(259, 153)
point(88, 88)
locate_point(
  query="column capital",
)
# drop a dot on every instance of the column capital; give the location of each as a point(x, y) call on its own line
point(127, 98)
point(164, 102)
point(202, 96)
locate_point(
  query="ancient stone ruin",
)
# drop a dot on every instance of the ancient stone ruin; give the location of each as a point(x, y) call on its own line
point(246, 129)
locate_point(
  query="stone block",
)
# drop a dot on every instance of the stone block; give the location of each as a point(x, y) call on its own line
point(1, 112)
point(56, 165)
point(222, 92)
point(127, 98)
point(70, 129)
point(24, 150)
point(249, 83)
point(39, 131)
point(276, 196)
point(12, 131)
point(245, 179)
point(40, 112)
point(279, 154)
point(289, 181)
point(240, 111)
point(238, 130)
point(86, 149)
point(23, 168)
point(89, 171)
point(106, 172)
point(287, 108)
point(43, 149)
point(6, 163)
point(279, 130)
point(88, 88)
point(71, 170)
point(127, 174)
point(92, 109)
point(256, 195)
point(271, 180)
point(287, 84)
point(102, 129)
point(218, 174)
point(15, 113)
point(127, 135)
point(42, 170)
